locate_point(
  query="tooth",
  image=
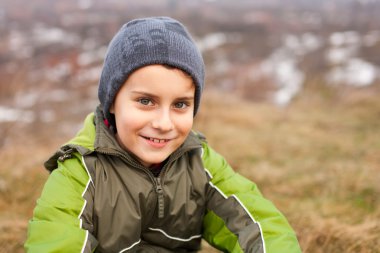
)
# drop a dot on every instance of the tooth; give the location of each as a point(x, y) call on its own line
point(157, 140)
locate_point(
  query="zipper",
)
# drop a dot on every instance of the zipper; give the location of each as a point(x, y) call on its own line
point(160, 198)
point(158, 185)
point(157, 181)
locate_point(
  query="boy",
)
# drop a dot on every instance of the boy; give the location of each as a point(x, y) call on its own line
point(136, 178)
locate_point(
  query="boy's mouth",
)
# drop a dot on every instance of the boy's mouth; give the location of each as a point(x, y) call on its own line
point(155, 140)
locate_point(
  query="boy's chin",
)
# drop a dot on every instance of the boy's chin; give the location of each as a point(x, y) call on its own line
point(152, 162)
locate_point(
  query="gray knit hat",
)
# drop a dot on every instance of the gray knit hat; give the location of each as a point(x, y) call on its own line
point(142, 42)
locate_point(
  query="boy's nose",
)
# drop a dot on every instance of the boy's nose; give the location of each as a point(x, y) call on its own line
point(163, 121)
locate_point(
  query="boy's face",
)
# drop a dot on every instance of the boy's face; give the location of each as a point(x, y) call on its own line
point(154, 112)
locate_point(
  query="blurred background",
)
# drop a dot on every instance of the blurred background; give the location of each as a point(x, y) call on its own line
point(291, 101)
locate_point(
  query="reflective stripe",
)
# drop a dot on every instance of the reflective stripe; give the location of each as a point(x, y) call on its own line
point(85, 190)
point(208, 173)
point(258, 224)
point(88, 172)
point(85, 201)
point(219, 190)
point(176, 238)
point(85, 242)
point(245, 209)
point(130, 247)
point(84, 206)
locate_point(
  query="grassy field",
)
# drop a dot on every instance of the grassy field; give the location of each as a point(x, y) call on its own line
point(318, 160)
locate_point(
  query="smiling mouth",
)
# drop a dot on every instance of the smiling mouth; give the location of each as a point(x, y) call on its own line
point(155, 140)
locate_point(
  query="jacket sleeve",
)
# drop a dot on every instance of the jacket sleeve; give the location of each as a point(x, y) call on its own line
point(57, 220)
point(239, 218)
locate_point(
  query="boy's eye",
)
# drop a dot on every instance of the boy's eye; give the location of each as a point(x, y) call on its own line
point(180, 105)
point(145, 101)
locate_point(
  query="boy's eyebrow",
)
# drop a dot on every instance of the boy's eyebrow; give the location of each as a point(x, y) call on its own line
point(143, 93)
point(154, 96)
point(185, 98)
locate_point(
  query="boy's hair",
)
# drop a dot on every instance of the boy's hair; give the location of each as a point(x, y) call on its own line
point(148, 41)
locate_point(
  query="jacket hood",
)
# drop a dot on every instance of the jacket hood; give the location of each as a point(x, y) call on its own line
point(87, 135)
point(83, 142)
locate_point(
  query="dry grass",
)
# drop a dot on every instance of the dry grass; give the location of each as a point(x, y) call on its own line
point(318, 160)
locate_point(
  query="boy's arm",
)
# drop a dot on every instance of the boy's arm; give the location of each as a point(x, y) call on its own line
point(57, 220)
point(239, 218)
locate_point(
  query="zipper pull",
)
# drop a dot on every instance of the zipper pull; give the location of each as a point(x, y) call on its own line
point(160, 198)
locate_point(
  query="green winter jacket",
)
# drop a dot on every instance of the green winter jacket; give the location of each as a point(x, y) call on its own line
point(98, 198)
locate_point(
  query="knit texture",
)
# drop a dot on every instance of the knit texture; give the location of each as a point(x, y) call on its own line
point(142, 42)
